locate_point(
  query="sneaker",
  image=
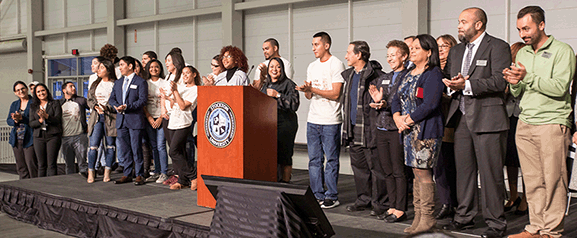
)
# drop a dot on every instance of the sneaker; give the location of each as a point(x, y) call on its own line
point(162, 178)
point(170, 181)
point(329, 203)
point(152, 178)
point(152, 173)
point(320, 202)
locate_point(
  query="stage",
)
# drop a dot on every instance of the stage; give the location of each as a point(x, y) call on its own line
point(67, 204)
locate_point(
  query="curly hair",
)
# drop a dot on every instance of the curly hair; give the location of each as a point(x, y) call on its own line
point(237, 55)
point(109, 51)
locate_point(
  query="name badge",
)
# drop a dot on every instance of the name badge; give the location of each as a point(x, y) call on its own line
point(133, 86)
point(546, 55)
point(481, 62)
point(387, 81)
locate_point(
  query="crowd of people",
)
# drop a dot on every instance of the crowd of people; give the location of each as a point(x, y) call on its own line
point(451, 112)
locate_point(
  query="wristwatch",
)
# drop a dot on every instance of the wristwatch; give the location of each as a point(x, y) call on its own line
point(278, 95)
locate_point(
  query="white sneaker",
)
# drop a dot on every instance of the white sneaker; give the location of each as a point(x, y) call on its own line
point(152, 173)
point(328, 203)
point(162, 178)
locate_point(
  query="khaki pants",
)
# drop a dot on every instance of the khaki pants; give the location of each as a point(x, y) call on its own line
point(542, 154)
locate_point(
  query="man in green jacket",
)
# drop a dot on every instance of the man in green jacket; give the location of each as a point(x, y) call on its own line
point(543, 72)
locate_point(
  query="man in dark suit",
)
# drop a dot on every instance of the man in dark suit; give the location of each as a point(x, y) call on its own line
point(478, 114)
point(129, 96)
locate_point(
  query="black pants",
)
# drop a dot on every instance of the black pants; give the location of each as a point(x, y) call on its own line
point(390, 152)
point(46, 148)
point(445, 175)
point(26, 163)
point(185, 170)
point(369, 178)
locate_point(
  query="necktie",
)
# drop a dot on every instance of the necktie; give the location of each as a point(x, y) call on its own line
point(465, 72)
point(124, 89)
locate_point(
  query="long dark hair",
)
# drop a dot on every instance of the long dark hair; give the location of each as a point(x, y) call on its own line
point(35, 101)
point(143, 74)
point(109, 68)
point(282, 72)
point(429, 43)
point(178, 62)
point(147, 68)
point(197, 74)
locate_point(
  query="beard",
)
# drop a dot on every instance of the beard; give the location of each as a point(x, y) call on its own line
point(467, 35)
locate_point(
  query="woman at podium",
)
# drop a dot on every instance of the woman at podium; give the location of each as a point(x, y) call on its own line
point(281, 88)
point(235, 65)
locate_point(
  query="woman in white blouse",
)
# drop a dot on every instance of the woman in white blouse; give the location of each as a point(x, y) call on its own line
point(235, 65)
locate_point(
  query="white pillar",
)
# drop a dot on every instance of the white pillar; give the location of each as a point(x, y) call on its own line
point(232, 24)
point(115, 34)
point(415, 17)
point(34, 47)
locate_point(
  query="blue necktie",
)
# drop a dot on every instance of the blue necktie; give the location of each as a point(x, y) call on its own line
point(124, 89)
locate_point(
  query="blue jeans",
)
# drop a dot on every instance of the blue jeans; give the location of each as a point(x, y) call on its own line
point(158, 144)
point(97, 133)
point(324, 140)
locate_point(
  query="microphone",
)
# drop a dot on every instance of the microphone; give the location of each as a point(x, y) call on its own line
point(250, 71)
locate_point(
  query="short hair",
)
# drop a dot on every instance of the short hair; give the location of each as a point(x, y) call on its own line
point(410, 37)
point(129, 60)
point(109, 51)
point(273, 42)
point(399, 45)
point(149, 64)
point(197, 74)
point(363, 48)
point(237, 54)
point(176, 49)
point(151, 54)
point(514, 49)
point(428, 42)
point(537, 13)
point(325, 37)
point(16, 84)
point(480, 15)
point(65, 85)
point(449, 39)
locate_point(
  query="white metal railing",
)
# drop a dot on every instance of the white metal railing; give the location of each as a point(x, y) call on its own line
point(6, 152)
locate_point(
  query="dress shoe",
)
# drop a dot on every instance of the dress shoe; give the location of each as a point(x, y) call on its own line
point(492, 233)
point(355, 207)
point(521, 212)
point(446, 211)
point(393, 218)
point(84, 174)
point(456, 226)
point(525, 234)
point(377, 213)
point(122, 180)
point(383, 216)
point(515, 204)
point(139, 181)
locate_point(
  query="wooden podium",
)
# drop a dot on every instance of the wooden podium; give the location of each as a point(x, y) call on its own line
point(237, 136)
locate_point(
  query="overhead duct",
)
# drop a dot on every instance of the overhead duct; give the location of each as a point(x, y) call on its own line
point(12, 46)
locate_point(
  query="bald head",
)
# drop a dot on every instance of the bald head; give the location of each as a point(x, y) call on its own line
point(479, 15)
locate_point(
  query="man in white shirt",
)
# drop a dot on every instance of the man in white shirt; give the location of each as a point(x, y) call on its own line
point(270, 49)
point(74, 137)
point(323, 87)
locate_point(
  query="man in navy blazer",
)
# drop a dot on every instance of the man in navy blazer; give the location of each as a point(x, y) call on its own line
point(129, 97)
point(480, 120)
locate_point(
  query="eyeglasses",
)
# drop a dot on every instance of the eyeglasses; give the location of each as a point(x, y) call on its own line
point(444, 46)
point(214, 65)
point(227, 56)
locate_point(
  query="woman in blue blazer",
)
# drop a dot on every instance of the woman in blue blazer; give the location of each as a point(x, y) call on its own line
point(417, 113)
point(21, 134)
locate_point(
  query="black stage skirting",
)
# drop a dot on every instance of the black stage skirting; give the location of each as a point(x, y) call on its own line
point(84, 219)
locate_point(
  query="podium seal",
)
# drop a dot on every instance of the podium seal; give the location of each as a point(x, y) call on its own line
point(219, 124)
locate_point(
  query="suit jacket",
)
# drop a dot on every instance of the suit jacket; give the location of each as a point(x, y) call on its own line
point(53, 123)
point(485, 109)
point(136, 98)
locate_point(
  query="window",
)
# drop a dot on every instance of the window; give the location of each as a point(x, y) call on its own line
point(76, 70)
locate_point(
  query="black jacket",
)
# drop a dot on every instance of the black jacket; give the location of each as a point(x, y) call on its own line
point(371, 72)
point(385, 116)
point(53, 123)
